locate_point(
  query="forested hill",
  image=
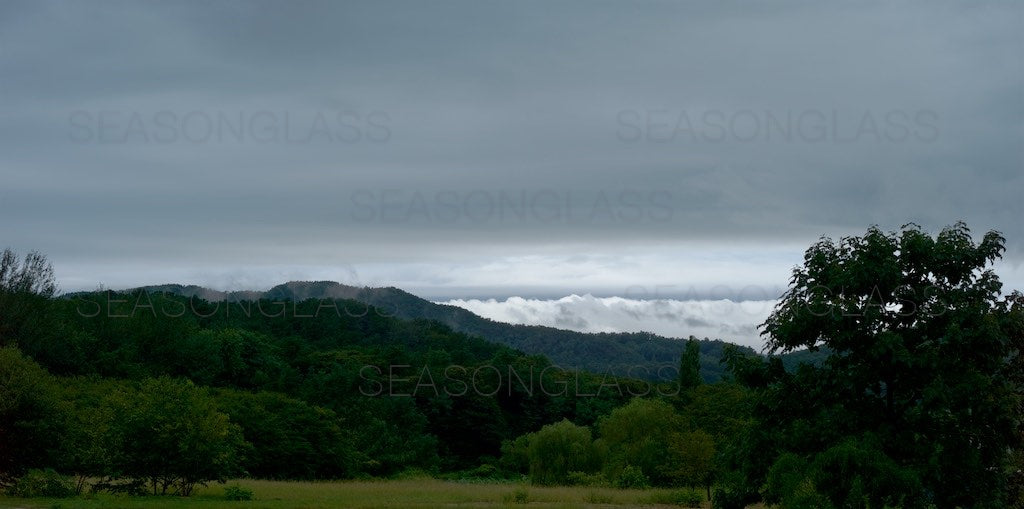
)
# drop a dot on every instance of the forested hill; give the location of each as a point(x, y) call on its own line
point(640, 355)
point(317, 394)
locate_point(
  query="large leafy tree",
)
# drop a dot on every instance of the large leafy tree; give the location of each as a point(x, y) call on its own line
point(290, 438)
point(559, 449)
point(174, 438)
point(27, 410)
point(25, 286)
point(920, 344)
point(648, 434)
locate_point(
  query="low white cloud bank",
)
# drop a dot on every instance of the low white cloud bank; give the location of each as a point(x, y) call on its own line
point(724, 319)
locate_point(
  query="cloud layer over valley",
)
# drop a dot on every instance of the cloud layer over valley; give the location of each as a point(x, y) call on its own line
point(715, 319)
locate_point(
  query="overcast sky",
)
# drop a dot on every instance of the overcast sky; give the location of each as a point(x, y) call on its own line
point(478, 150)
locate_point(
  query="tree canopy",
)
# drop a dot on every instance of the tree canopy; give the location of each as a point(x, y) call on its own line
point(921, 377)
point(25, 287)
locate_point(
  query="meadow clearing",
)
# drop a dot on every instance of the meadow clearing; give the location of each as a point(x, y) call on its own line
point(418, 493)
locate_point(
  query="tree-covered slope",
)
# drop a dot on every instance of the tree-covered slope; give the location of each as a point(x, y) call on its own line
point(637, 354)
point(390, 393)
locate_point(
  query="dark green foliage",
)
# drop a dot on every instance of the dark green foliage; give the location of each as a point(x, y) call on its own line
point(89, 442)
point(638, 435)
point(721, 409)
point(784, 477)
point(25, 288)
point(43, 483)
point(689, 366)
point(646, 442)
point(1015, 482)
point(690, 459)
point(392, 434)
point(237, 493)
point(806, 496)
point(639, 355)
point(558, 449)
point(632, 477)
point(732, 492)
point(289, 438)
point(858, 473)
point(158, 436)
point(367, 393)
point(916, 403)
point(160, 392)
point(28, 406)
point(650, 435)
point(172, 437)
point(515, 454)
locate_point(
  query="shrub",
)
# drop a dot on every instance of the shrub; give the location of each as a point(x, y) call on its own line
point(725, 498)
point(236, 492)
point(689, 498)
point(732, 492)
point(515, 454)
point(485, 471)
point(43, 483)
point(806, 497)
point(784, 476)
point(520, 496)
point(632, 477)
point(858, 473)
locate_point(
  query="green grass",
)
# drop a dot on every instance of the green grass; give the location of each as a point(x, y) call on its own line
point(413, 493)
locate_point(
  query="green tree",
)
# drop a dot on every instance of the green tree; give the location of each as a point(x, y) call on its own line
point(87, 446)
point(515, 454)
point(33, 275)
point(689, 365)
point(174, 438)
point(28, 407)
point(290, 438)
point(919, 346)
point(639, 434)
point(392, 433)
point(558, 449)
point(721, 409)
point(25, 287)
point(691, 459)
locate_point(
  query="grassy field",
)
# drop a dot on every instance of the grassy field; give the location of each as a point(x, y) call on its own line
point(423, 493)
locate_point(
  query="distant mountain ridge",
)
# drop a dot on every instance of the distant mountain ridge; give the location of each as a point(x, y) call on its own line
point(637, 354)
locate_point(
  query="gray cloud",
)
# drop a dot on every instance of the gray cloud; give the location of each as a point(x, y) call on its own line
point(224, 142)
